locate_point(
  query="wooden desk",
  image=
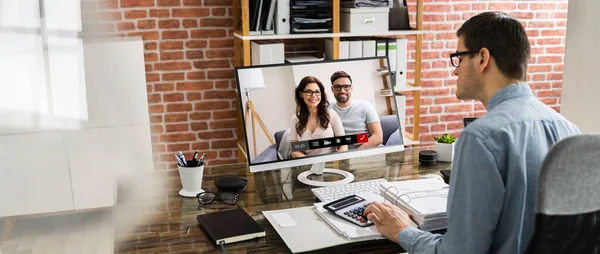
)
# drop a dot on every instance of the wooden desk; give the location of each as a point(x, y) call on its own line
point(173, 228)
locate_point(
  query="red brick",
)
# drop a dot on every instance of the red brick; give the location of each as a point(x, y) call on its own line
point(196, 75)
point(453, 117)
point(107, 4)
point(220, 74)
point(171, 56)
point(429, 119)
point(168, 2)
point(194, 96)
point(181, 117)
point(150, 46)
point(479, 6)
point(125, 26)
point(199, 126)
point(150, 57)
point(173, 97)
point(148, 88)
point(542, 6)
point(175, 35)
point(156, 108)
point(549, 101)
point(555, 76)
point(164, 87)
point(215, 134)
point(557, 32)
point(194, 86)
point(542, 15)
point(191, 12)
point(224, 43)
point(136, 3)
point(152, 77)
point(225, 154)
point(222, 84)
point(555, 50)
point(160, 13)
point(225, 114)
point(168, 23)
point(216, 22)
point(433, 17)
point(559, 15)
point(461, 7)
point(208, 33)
point(453, 17)
point(539, 85)
point(172, 66)
point(194, 54)
point(211, 105)
point(145, 35)
point(541, 24)
point(549, 59)
point(532, 33)
point(558, 67)
point(547, 41)
point(459, 108)
point(179, 107)
point(196, 44)
point(180, 127)
point(431, 83)
point(435, 74)
point(218, 2)
point(212, 64)
point(146, 24)
point(561, 23)
point(216, 144)
point(456, 125)
point(173, 76)
point(192, 2)
point(159, 148)
point(435, 109)
point(178, 147)
point(220, 95)
point(156, 119)
point(201, 146)
point(136, 14)
point(190, 23)
point(502, 6)
point(218, 11)
point(153, 98)
point(446, 36)
point(219, 53)
point(171, 45)
point(200, 116)
point(444, 8)
point(178, 137)
point(522, 15)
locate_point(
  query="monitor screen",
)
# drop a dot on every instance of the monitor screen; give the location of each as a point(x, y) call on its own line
point(294, 114)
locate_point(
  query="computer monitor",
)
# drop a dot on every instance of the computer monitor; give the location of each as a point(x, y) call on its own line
point(268, 104)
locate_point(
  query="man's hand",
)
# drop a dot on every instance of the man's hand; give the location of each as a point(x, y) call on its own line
point(388, 219)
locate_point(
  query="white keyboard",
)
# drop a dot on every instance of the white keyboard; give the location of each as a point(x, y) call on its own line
point(332, 193)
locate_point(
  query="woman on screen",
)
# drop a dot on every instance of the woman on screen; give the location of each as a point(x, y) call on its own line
point(313, 119)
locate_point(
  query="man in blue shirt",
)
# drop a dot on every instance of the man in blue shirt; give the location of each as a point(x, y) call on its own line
point(497, 157)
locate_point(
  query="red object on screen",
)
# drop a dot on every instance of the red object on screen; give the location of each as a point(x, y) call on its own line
point(362, 138)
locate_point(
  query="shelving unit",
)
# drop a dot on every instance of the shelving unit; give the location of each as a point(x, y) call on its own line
point(242, 39)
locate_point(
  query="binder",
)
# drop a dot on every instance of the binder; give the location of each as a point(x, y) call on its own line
point(344, 50)
point(401, 47)
point(355, 49)
point(230, 226)
point(369, 48)
point(282, 15)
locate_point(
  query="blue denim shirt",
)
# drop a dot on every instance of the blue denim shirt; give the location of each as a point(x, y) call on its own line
point(494, 177)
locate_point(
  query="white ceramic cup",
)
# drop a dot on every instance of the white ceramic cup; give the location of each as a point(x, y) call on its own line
point(191, 180)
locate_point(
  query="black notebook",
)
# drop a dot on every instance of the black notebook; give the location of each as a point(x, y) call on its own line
point(230, 226)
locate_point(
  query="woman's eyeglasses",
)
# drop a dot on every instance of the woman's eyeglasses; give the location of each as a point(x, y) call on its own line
point(455, 57)
point(227, 197)
point(310, 92)
point(339, 87)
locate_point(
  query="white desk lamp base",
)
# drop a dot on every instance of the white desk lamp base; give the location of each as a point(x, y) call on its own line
point(319, 169)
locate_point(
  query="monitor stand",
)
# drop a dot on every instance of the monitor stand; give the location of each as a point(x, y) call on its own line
point(318, 169)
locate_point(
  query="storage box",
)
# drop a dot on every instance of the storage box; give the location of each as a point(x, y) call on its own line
point(364, 19)
point(266, 52)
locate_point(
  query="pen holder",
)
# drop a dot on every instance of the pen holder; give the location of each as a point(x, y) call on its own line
point(191, 180)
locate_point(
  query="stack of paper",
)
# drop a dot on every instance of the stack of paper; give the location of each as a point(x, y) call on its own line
point(424, 199)
point(365, 3)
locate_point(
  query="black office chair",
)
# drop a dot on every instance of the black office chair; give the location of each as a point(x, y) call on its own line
point(567, 205)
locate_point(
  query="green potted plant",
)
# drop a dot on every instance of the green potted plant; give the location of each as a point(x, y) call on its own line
point(444, 147)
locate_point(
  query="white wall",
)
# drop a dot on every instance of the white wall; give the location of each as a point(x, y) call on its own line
point(581, 83)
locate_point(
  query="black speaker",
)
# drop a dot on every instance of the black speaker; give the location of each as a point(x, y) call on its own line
point(231, 183)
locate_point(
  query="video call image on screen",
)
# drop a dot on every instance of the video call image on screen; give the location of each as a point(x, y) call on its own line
point(269, 105)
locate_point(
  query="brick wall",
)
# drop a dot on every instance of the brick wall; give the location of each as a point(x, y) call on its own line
point(189, 66)
point(545, 23)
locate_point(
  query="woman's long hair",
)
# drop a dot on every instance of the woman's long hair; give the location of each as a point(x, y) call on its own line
point(302, 109)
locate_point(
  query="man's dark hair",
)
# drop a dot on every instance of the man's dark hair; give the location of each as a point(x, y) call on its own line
point(503, 36)
point(340, 74)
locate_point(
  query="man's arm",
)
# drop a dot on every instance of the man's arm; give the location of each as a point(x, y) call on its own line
point(475, 203)
point(376, 137)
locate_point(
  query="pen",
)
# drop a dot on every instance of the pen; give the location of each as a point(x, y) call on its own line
point(178, 160)
point(202, 159)
point(195, 155)
point(182, 158)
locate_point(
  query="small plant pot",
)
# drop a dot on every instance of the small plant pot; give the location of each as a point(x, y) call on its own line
point(445, 152)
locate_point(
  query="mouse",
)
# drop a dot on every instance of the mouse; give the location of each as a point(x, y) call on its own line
point(432, 176)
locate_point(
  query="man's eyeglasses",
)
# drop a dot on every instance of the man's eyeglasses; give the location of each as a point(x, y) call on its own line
point(455, 57)
point(310, 93)
point(227, 197)
point(339, 87)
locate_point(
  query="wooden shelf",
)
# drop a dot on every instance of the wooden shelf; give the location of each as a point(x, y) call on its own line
point(408, 139)
point(325, 35)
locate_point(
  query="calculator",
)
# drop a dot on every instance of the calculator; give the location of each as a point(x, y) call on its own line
point(350, 208)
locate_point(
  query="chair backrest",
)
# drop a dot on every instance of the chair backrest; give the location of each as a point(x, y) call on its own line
point(567, 205)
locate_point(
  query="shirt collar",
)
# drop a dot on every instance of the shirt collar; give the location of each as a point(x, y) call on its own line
point(511, 91)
